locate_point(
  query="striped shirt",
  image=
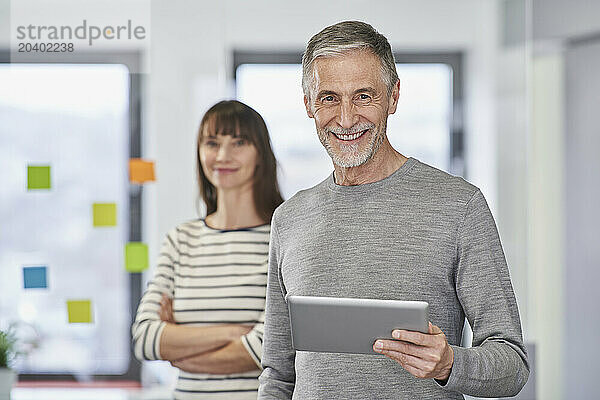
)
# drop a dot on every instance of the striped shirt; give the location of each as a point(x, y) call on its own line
point(214, 277)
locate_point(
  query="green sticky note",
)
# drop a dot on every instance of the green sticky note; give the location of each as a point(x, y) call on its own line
point(136, 257)
point(38, 177)
point(105, 214)
point(80, 311)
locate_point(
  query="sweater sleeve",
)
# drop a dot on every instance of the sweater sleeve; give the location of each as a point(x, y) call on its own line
point(279, 375)
point(496, 365)
point(147, 327)
point(253, 340)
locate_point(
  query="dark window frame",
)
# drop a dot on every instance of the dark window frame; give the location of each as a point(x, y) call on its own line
point(132, 60)
point(453, 59)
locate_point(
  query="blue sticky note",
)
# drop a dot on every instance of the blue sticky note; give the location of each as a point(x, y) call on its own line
point(34, 277)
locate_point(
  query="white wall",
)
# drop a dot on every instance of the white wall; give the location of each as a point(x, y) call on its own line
point(582, 191)
point(510, 147)
point(564, 181)
point(560, 19)
point(545, 234)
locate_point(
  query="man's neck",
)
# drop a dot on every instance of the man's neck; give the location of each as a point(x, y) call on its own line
point(384, 163)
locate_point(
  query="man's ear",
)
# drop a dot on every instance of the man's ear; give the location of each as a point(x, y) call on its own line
point(394, 98)
point(308, 109)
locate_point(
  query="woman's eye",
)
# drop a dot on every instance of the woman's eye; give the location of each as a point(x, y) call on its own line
point(210, 143)
point(240, 142)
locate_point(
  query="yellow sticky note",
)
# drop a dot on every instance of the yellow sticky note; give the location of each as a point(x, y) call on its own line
point(105, 214)
point(136, 257)
point(38, 177)
point(80, 311)
point(141, 171)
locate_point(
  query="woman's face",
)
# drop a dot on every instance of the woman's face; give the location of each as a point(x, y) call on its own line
point(228, 162)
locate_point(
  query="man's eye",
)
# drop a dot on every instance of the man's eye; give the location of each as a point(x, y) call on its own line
point(328, 98)
point(363, 96)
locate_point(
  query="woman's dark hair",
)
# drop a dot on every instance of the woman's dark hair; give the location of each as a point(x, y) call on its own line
point(236, 119)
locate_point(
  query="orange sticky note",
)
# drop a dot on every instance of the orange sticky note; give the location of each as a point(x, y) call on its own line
point(141, 171)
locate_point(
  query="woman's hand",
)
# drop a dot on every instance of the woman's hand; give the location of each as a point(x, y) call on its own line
point(166, 309)
point(230, 359)
point(239, 330)
point(178, 342)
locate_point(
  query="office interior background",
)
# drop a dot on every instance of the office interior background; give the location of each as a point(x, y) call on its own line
point(505, 93)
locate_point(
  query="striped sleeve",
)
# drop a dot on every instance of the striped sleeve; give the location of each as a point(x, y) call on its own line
point(253, 340)
point(147, 327)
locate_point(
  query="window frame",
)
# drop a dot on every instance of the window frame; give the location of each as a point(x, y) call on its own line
point(132, 60)
point(453, 59)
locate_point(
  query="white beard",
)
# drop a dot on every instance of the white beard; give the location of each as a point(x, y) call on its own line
point(349, 155)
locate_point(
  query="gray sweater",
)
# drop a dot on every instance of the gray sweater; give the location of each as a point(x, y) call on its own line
point(419, 234)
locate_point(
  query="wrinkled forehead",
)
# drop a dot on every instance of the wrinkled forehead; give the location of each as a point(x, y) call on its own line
point(348, 71)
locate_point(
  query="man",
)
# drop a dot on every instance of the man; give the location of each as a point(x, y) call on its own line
point(385, 226)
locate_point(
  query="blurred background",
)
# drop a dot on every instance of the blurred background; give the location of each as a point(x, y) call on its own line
point(505, 93)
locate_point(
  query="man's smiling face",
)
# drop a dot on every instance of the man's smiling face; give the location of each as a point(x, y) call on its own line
point(350, 104)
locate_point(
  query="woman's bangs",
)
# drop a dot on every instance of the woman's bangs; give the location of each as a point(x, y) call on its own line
point(225, 124)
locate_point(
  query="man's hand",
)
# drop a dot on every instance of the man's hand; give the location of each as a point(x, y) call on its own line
point(423, 355)
point(166, 309)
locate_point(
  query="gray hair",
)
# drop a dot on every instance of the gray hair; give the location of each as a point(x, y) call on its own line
point(338, 39)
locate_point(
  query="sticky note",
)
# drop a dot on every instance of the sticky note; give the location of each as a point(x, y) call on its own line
point(141, 171)
point(80, 311)
point(35, 277)
point(105, 214)
point(38, 177)
point(136, 256)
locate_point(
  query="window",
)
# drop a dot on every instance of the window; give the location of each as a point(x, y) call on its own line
point(424, 125)
point(75, 119)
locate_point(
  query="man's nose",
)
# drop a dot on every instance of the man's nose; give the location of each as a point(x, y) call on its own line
point(348, 116)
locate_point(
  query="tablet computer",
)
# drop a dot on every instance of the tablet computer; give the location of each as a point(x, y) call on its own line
point(342, 325)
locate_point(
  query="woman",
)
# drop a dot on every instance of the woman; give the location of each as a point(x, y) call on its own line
point(204, 309)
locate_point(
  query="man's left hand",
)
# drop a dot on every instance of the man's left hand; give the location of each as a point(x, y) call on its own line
point(424, 355)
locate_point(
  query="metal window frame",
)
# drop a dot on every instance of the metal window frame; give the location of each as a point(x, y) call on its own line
point(132, 60)
point(454, 59)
